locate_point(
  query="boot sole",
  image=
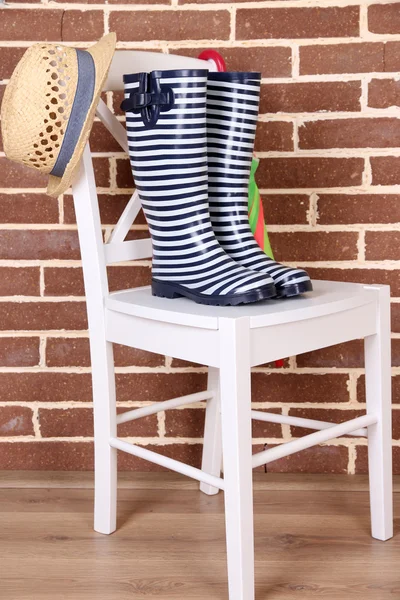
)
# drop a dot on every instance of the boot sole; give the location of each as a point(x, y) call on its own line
point(171, 291)
point(295, 289)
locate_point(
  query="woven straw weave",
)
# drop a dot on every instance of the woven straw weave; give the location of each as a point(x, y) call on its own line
point(37, 104)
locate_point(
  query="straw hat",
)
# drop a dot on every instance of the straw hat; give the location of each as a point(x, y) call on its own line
point(49, 106)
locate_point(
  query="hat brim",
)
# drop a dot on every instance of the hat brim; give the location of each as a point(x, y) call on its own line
point(102, 54)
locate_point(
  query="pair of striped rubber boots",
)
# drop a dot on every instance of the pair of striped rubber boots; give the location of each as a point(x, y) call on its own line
point(191, 138)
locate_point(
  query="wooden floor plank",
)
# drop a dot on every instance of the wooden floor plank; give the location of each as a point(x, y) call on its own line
point(312, 541)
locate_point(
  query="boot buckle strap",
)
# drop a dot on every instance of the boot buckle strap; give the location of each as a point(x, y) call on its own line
point(137, 101)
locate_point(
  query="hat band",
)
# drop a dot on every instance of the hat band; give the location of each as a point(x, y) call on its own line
point(80, 107)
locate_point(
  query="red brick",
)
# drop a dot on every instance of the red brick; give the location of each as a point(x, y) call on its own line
point(310, 97)
point(19, 281)
point(101, 139)
point(385, 170)
point(383, 93)
point(296, 387)
point(117, 98)
point(68, 281)
point(141, 26)
point(40, 316)
point(19, 351)
point(102, 172)
point(366, 276)
point(53, 456)
point(365, 57)
point(82, 26)
point(145, 387)
point(274, 136)
point(319, 459)
point(78, 422)
point(63, 281)
point(392, 56)
point(395, 389)
point(117, 1)
point(310, 172)
point(15, 420)
point(396, 424)
point(46, 387)
point(38, 244)
point(262, 429)
point(384, 18)
point(314, 245)
point(275, 61)
point(28, 208)
point(13, 174)
point(74, 352)
point(294, 23)
point(362, 460)
point(124, 174)
point(187, 423)
point(395, 317)
point(395, 352)
point(382, 245)
point(179, 363)
point(285, 209)
point(349, 355)
point(9, 57)
point(111, 207)
point(76, 387)
point(331, 415)
point(350, 133)
point(125, 356)
point(358, 208)
point(32, 25)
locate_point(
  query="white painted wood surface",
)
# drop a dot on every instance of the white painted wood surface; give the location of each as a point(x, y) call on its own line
point(229, 340)
point(313, 439)
point(236, 445)
point(378, 396)
point(259, 415)
point(212, 453)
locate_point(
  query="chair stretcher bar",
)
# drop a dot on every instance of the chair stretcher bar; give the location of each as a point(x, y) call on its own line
point(151, 409)
point(300, 422)
point(334, 431)
point(169, 463)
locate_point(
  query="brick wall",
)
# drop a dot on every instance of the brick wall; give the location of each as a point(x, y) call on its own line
point(329, 143)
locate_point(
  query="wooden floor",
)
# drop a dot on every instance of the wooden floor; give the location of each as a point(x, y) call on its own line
point(312, 540)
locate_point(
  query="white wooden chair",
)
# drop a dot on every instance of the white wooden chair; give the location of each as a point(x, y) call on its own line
point(229, 340)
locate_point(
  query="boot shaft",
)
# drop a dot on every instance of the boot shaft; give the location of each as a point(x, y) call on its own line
point(166, 128)
point(232, 113)
point(167, 139)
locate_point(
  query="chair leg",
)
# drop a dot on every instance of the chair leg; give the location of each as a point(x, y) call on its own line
point(105, 504)
point(378, 394)
point(212, 449)
point(237, 455)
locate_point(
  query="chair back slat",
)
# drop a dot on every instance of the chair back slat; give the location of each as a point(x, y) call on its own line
point(133, 61)
point(126, 219)
point(111, 123)
point(129, 250)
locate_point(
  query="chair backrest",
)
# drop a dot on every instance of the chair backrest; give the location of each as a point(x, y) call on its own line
point(96, 254)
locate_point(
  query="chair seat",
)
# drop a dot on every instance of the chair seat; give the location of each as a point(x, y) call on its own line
point(328, 297)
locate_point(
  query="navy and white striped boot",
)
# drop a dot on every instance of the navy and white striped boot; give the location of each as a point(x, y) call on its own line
point(232, 111)
point(166, 126)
